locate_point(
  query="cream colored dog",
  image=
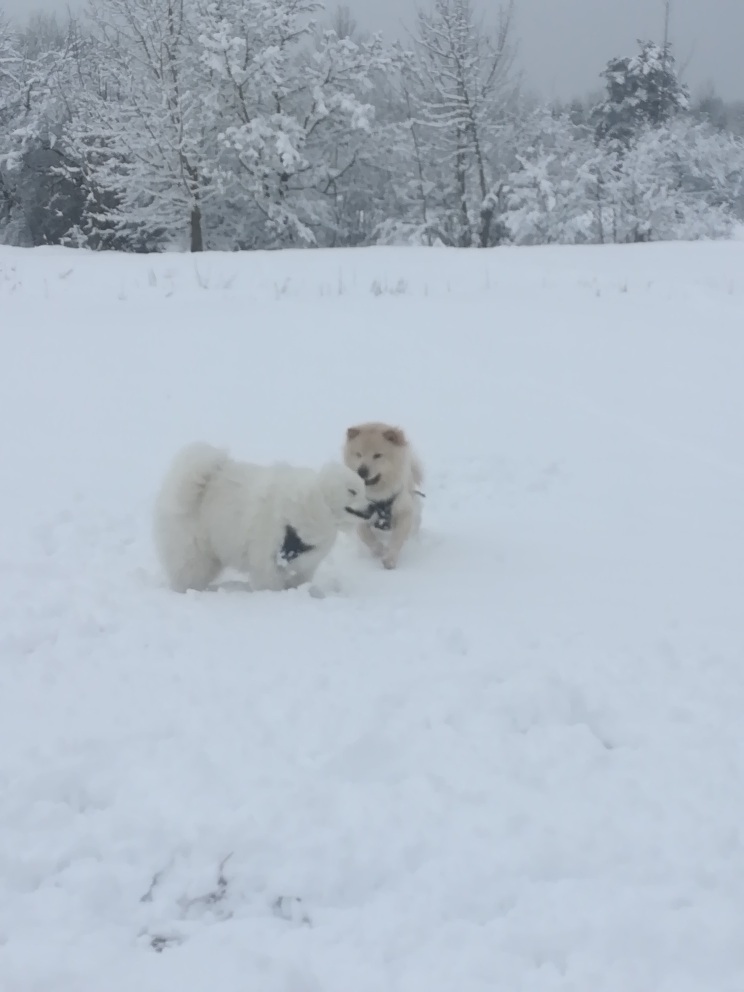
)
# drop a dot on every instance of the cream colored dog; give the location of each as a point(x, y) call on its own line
point(392, 474)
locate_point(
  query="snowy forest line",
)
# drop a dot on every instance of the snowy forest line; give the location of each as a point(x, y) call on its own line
point(242, 124)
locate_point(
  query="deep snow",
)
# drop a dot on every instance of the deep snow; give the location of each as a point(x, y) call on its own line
point(514, 764)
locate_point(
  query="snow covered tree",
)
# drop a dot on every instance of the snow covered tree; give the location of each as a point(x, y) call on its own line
point(458, 87)
point(296, 117)
point(38, 201)
point(12, 87)
point(229, 122)
point(252, 124)
point(345, 25)
point(144, 131)
point(551, 196)
point(722, 114)
point(641, 91)
point(678, 182)
point(682, 181)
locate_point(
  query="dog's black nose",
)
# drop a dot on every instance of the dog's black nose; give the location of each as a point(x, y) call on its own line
point(363, 471)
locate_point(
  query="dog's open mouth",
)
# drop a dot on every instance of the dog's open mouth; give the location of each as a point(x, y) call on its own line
point(362, 514)
point(373, 481)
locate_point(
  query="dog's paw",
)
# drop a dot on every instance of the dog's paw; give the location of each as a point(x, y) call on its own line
point(389, 561)
point(327, 585)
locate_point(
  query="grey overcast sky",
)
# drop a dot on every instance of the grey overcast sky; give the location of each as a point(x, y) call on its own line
point(564, 44)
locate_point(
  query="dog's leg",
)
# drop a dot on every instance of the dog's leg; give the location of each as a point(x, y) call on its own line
point(297, 579)
point(369, 537)
point(293, 580)
point(398, 537)
point(304, 568)
point(268, 578)
point(197, 573)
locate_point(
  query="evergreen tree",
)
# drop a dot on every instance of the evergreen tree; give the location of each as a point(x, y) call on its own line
point(642, 91)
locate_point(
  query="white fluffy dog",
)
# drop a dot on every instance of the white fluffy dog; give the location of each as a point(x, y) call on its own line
point(273, 523)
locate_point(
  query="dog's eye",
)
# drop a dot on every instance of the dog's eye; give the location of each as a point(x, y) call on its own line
point(352, 492)
point(378, 455)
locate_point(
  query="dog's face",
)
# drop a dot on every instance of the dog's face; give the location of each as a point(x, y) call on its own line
point(377, 453)
point(345, 494)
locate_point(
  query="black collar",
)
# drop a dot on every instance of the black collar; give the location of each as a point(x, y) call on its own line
point(381, 516)
point(381, 511)
point(293, 546)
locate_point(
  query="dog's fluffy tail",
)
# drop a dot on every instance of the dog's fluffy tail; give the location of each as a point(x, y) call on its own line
point(182, 545)
point(190, 473)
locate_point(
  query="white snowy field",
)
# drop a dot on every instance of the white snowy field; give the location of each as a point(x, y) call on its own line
point(516, 763)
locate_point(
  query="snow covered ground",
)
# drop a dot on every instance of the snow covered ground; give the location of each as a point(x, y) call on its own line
point(514, 764)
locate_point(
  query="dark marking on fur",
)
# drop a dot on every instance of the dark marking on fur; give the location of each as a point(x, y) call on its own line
point(293, 545)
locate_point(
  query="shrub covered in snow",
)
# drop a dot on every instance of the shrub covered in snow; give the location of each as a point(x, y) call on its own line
point(242, 124)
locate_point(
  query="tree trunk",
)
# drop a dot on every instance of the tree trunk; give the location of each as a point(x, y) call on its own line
point(486, 217)
point(599, 196)
point(487, 205)
point(197, 235)
point(461, 170)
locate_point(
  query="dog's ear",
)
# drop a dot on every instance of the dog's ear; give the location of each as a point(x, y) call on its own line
point(352, 432)
point(395, 436)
